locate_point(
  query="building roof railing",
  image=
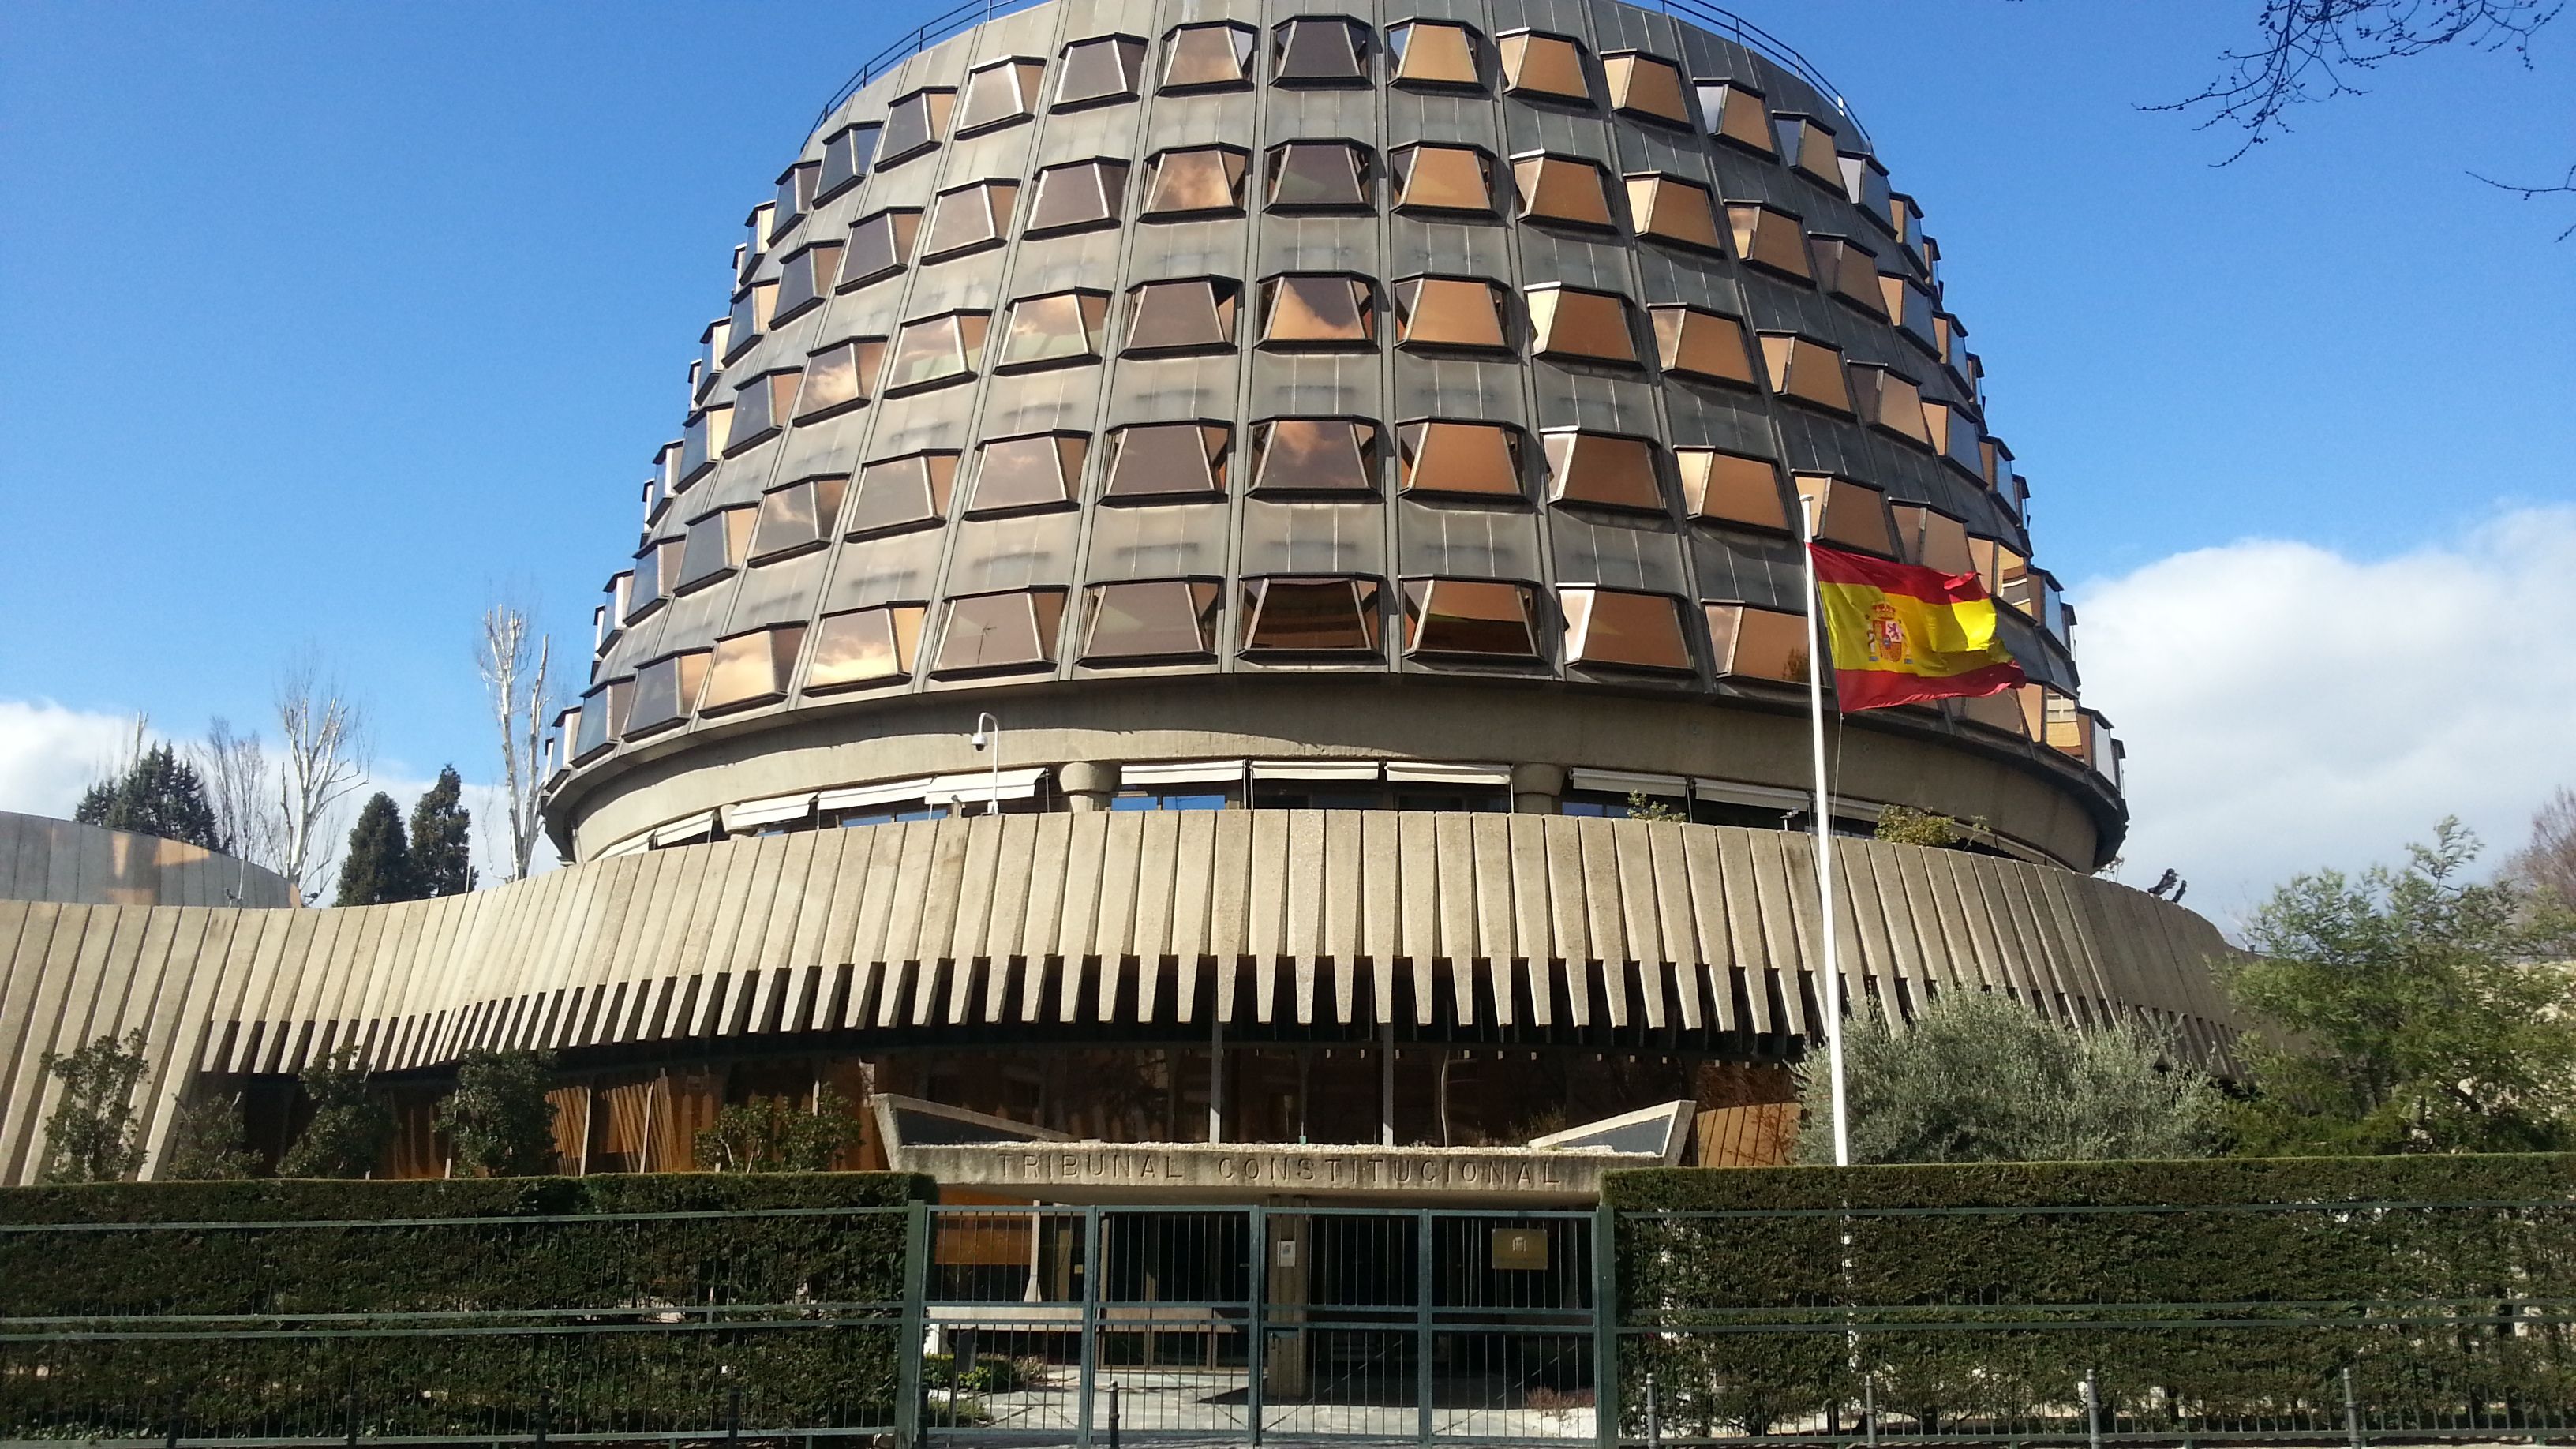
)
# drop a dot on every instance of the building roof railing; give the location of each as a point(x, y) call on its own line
point(1713, 18)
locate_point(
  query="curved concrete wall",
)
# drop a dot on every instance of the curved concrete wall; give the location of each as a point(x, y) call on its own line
point(43, 859)
point(1129, 926)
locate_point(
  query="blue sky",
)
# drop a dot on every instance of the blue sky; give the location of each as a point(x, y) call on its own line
point(327, 322)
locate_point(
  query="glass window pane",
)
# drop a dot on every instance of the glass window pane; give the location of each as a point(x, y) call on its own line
point(1644, 85)
point(1316, 311)
point(1671, 209)
point(1574, 322)
point(1434, 53)
point(846, 157)
point(1155, 619)
point(665, 691)
point(1562, 189)
point(798, 516)
point(1470, 616)
point(1805, 369)
point(1731, 488)
point(1016, 630)
point(1043, 470)
point(1452, 312)
point(1180, 316)
point(1321, 175)
point(1167, 460)
point(880, 245)
point(715, 546)
point(806, 277)
point(968, 218)
point(1199, 181)
point(1062, 327)
point(866, 646)
point(1470, 460)
point(839, 376)
point(1747, 642)
point(1621, 629)
point(1890, 402)
point(1321, 51)
point(1314, 455)
point(1772, 239)
point(1084, 194)
point(1602, 469)
point(1738, 115)
point(1444, 178)
point(914, 124)
point(901, 493)
point(1198, 57)
point(1106, 68)
point(936, 351)
point(1853, 515)
point(999, 94)
point(1704, 345)
point(1310, 615)
point(750, 669)
point(1545, 67)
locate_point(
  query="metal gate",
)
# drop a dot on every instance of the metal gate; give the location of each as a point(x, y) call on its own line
point(1084, 1325)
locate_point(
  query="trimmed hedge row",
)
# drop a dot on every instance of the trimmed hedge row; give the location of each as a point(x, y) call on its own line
point(503, 1294)
point(1981, 1292)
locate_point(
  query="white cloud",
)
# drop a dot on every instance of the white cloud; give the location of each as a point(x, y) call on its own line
point(50, 754)
point(2287, 708)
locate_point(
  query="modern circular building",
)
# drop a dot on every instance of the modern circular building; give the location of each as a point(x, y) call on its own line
point(1230, 574)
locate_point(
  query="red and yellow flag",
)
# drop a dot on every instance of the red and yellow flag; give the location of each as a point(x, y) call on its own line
point(1902, 634)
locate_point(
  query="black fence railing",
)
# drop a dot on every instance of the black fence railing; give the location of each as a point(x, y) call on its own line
point(1713, 18)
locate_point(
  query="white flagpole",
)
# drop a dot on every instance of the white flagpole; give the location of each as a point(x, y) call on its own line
point(1818, 661)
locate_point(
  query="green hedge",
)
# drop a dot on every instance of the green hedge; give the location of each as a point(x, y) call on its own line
point(478, 1301)
point(2242, 1297)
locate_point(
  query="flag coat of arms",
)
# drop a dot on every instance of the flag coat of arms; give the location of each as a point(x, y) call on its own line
point(1903, 634)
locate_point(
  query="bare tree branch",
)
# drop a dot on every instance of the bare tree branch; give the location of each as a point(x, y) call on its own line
point(2315, 50)
point(2534, 193)
point(324, 757)
point(235, 770)
point(513, 662)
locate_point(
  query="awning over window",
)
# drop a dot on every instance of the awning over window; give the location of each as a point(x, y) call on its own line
point(860, 797)
point(982, 787)
point(1181, 772)
point(1314, 769)
point(752, 814)
point(685, 829)
point(1433, 772)
point(1627, 782)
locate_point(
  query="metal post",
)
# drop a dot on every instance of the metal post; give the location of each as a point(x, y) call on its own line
point(1422, 1335)
point(733, 1415)
point(1113, 1416)
point(910, 1328)
point(1654, 1426)
point(2092, 1410)
point(172, 1442)
point(2352, 1411)
point(1255, 1311)
point(545, 1415)
point(1605, 1327)
point(353, 1407)
point(1869, 1408)
point(1090, 1266)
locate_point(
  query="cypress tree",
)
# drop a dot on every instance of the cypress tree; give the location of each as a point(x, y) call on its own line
point(440, 857)
point(378, 867)
point(160, 794)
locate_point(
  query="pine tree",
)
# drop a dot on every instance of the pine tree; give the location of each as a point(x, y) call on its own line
point(95, 1135)
point(441, 860)
point(378, 867)
point(498, 1117)
point(159, 794)
point(351, 1126)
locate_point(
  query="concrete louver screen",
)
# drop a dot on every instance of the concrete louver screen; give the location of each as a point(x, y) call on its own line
point(1494, 927)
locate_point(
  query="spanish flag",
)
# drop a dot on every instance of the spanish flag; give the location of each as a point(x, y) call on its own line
point(1901, 634)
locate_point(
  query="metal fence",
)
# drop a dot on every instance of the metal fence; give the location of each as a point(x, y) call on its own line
point(1244, 1324)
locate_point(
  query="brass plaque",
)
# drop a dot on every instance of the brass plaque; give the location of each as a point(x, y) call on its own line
point(1520, 1248)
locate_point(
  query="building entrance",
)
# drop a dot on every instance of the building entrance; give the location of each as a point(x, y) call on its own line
point(1252, 1324)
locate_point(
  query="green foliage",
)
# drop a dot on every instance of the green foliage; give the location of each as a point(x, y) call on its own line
point(441, 839)
point(95, 1133)
point(2196, 1308)
point(378, 867)
point(351, 1126)
point(773, 1134)
point(498, 1249)
point(498, 1118)
point(206, 1144)
point(1983, 1078)
point(159, 794)
point(1642, 806)
point(2408, 1011)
